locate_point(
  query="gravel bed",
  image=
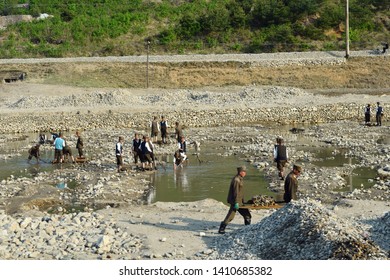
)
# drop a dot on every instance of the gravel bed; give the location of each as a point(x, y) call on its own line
point(281, 58)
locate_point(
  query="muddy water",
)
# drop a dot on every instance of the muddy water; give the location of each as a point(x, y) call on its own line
point(18, 166)
point(209, 178)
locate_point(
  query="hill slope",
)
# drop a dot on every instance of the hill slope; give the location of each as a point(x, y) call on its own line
point(123, 27)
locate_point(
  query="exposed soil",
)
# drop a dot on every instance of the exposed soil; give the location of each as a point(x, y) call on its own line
point(365, 73)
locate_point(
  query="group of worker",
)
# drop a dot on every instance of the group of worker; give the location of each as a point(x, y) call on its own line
point(62, 150)
point(235, 196)
point(143, 149)
point(378, 114)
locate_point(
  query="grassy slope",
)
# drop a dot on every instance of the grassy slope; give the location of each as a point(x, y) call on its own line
point(123, 29)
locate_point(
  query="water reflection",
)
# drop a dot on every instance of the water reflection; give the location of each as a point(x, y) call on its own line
point(180, 179)
point(62, 185)
point(209, 179)
point(199, 180)
point(362, 177)
point(330, 157)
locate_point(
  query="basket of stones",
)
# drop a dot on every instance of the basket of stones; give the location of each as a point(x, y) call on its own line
point(261, 202)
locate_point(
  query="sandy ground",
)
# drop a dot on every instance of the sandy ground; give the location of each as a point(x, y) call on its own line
point(188, 229)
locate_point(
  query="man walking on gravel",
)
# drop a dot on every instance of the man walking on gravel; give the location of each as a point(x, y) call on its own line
point(280, 156)
point(235, 199)
point(79, 144)
point(119, 153)
point(291, 184)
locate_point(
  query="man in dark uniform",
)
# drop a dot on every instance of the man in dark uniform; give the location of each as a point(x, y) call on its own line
point(235, 199)
point(379, 114)
point(164, 130)
point(291, 184)
point(136, 148)
point(178, 131)
point(80, 144)
point(155, 129)
point(280, 156)
point(42, 138)
point(34, 152)
point(67, 152)
point(367, 114)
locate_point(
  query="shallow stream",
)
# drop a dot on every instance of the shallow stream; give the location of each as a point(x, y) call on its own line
point(209, 178)
point(206, 176)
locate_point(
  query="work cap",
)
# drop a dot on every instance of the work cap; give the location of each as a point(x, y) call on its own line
point(241, 168)
point(297, 167)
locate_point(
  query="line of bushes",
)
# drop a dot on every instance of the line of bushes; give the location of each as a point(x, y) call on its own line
point(121, 27)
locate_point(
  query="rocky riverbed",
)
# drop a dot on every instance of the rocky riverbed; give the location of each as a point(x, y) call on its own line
point(111, 219)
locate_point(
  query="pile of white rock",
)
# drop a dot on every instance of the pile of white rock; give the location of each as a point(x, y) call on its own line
point(302, 230)
point(195, 108)
point(380, 229)
point(83, 235)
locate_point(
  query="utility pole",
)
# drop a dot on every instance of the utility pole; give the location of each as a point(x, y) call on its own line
point(147, 63)
point(346, 28)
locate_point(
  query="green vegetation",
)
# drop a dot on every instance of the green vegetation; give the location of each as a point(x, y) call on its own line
point(123, 27)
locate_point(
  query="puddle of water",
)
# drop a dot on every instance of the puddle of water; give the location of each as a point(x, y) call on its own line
point(66, 185)
point(209, 179)
point(330, 157)
point(362, 177)
point(19, 167)
point(197, 181)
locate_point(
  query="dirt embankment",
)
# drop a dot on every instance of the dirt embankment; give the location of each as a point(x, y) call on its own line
point(367, 73)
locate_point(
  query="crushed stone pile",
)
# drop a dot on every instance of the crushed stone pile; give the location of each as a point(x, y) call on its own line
point(302, 230)
point(118, 97)
point(111, 97)
point(380, 231)
point(70, 236)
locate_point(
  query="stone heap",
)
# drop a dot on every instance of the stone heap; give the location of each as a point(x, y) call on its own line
point(302, 230)
point(197, 109)
point(70, 236)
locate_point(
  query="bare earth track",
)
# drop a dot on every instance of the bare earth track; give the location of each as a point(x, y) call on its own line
point(316, 70)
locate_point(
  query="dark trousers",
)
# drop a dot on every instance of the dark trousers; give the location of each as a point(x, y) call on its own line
point(58, 155)
point(367, 118)
point(163, 135)
point(232, 213)
point(137, 155)
point(379, 119)
point(81, 152)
